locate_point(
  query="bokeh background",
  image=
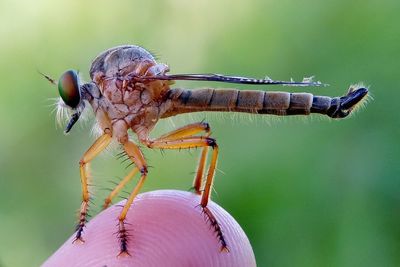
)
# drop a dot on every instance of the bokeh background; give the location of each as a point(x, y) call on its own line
point(307, 191)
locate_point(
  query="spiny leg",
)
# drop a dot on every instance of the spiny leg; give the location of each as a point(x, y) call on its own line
point(194, 142)
point(119, 187)
point(206, 197)
point(136, 156)
point(187, 131)
point(99, 145)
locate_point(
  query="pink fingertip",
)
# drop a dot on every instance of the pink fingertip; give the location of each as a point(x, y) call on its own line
point(166, 228)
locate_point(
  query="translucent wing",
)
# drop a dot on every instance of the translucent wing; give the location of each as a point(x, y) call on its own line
point(231, 79)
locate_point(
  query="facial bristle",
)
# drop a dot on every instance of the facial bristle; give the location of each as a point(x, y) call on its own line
point(62, 113)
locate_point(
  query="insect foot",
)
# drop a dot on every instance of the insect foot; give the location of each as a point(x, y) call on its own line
point(123, 236)
point(217, 228)
point(82, 223)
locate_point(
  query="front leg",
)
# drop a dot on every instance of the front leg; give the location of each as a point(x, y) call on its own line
point(136, 157)
point(99, 145)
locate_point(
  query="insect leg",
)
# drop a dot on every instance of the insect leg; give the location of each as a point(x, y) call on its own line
point(136, 156)
point(185, 131)
point(206, 197)
point(200, 171)
point(99, 145)
point(118, 188)
point(194, 142)
point(190, 130)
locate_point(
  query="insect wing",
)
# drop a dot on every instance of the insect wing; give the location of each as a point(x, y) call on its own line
point(232, 79)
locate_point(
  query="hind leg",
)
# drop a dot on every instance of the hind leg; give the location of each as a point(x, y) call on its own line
point(183, 139)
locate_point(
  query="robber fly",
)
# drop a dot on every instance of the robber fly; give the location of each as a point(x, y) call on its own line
point(129, 90)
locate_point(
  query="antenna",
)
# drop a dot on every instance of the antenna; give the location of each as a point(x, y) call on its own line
point(51, 80)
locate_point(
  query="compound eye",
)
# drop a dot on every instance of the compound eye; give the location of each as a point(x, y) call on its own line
point(68, 88)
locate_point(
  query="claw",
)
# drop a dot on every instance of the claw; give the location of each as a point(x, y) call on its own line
point(78, 240)
point(123, 253)
point(224, 249)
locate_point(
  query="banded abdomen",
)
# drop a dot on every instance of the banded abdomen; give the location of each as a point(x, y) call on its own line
point(262, 102)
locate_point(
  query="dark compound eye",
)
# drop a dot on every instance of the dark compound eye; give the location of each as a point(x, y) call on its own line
point(68, 88)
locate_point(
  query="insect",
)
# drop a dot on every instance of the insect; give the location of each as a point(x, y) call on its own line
point(129, 90)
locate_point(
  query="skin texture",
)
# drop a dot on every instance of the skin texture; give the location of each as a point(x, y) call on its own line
point(166, 228)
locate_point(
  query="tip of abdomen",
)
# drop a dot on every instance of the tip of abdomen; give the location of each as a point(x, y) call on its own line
point(342, 106)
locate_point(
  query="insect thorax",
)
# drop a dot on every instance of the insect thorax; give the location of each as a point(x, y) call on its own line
point(123, 97)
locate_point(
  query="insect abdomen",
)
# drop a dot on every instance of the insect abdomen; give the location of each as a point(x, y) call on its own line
point(249, 101)
point(262, 102)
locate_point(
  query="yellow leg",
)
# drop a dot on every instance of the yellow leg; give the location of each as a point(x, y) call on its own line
point(118, 188)
point(99, 145)
point(206, 197)
point(201, 166)
point(188, 131)
point(210, 176)
point(136, 156)
point(194, 142)
point(185, 131)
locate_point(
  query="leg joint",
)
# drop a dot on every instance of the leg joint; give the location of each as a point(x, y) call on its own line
point(144, 170)
point(211, 142)
point(148, 143)
point(206, 125)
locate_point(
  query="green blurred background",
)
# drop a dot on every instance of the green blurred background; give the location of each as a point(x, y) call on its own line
point(307, 191)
